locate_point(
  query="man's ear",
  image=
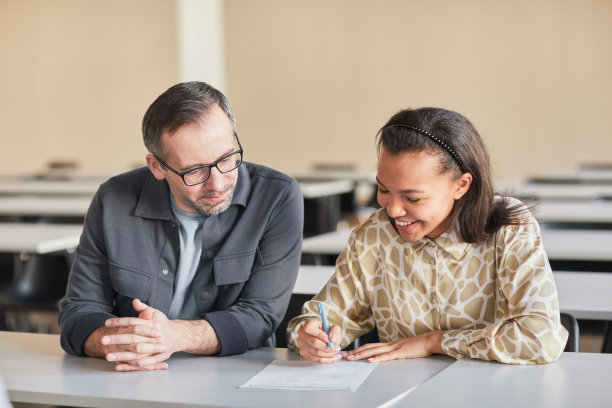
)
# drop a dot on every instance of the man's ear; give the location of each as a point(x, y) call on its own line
point(462, 185)
point(155, 167)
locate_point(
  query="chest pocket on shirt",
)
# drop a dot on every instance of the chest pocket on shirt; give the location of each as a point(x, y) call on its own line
point(233, 268)
point(130, 283)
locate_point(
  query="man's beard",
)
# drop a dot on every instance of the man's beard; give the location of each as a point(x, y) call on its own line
point(216, 208)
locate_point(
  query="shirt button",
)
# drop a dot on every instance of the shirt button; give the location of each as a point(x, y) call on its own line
point(164, 272)
point(173, 225)
point(204, 295)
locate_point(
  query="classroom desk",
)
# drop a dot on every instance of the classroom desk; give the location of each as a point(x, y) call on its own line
point(560, 244)
point(556, 191)
point(580, 212)
point(322, 204)
point(575, 380)
point(585, 295)
point(38, 238)
point(44, 206)
point(325, 188)
point(17, 186)
point(36, 370)
point(366, 176)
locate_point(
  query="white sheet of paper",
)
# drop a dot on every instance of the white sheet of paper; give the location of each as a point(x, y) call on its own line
point(305, 375)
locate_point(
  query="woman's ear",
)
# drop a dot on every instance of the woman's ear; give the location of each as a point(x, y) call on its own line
point(155, 167)
point(462, 185)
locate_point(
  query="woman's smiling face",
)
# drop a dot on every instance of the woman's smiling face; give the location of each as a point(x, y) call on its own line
point(417, 198)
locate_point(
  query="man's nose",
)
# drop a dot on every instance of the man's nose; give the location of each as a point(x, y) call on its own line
point(215, 180)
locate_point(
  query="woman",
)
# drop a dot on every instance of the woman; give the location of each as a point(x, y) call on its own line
point(445, 266)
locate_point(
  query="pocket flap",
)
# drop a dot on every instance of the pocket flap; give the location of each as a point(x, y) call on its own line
point(130, 283)
point(233, 268)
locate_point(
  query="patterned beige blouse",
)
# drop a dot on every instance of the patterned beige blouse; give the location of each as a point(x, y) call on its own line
point(497, 299)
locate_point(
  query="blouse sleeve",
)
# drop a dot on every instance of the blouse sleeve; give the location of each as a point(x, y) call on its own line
point(527, 327)
point(346, 300)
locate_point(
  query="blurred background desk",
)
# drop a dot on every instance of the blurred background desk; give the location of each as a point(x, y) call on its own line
point(322, 204)
point(35, 273)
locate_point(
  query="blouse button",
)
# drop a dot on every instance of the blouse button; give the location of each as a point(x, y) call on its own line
point(164, 272)
point(204, 295)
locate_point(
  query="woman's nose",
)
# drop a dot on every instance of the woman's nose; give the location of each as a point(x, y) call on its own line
point(395, 208)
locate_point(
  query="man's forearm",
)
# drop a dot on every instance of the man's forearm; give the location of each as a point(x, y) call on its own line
point(196, 337)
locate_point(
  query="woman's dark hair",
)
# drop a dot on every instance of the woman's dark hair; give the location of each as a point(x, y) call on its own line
point(454, 139)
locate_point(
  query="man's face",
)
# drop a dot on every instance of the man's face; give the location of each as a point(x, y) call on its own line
point(193, 145)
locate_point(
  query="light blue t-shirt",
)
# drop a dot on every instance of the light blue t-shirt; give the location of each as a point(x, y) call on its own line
point(183, 304)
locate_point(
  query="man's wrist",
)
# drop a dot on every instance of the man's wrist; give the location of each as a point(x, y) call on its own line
point(195, 336)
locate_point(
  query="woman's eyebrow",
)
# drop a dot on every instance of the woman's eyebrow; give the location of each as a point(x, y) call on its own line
point(409, 191)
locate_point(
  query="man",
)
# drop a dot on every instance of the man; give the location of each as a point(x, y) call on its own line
point(198, 253)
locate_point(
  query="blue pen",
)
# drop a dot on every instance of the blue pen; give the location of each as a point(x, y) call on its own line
point(325, 323)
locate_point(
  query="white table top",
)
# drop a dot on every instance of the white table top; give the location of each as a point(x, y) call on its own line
point(563, 191)
point(70, 206)
point(77, 205)
point(575, 380)
point(51, 187)
point(36, 370)
point(368, 176)
point(585, 295)
point(575, 212)
point(311, 278)
point(560, 244)
point(324, 188)
point(38, 238)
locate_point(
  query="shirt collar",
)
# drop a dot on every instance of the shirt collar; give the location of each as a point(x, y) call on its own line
point(451, 242)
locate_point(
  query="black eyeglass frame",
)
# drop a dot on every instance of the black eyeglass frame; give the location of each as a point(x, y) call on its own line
point(209, 166)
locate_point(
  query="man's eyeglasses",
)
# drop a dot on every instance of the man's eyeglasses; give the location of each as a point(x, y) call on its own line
point(200, 174)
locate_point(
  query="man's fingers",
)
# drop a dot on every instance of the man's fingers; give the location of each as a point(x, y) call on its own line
point(154, 363)
point(127, 339)
point(129, 321)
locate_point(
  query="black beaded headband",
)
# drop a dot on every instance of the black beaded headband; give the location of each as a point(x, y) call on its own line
point(439, 142)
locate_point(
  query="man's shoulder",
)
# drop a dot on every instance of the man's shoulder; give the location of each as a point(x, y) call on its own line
point(132, 180)
point(259, 172)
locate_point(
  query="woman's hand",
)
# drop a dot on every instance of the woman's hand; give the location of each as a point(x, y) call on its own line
point(313, 343)
point(423, 345)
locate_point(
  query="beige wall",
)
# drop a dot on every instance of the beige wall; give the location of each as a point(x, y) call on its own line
point(76, 76)
point(312, 81)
